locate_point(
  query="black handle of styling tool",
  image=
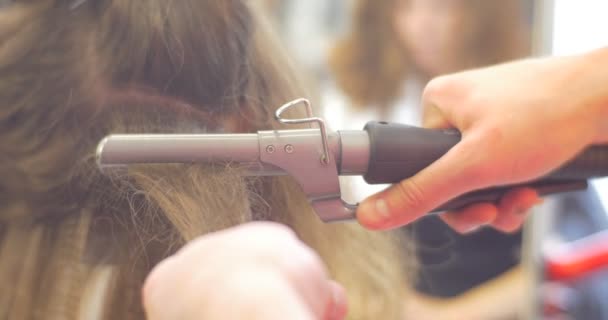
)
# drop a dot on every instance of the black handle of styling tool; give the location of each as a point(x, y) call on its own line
point(399, 151)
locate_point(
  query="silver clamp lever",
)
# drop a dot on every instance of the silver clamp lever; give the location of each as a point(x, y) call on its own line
point(310, 119)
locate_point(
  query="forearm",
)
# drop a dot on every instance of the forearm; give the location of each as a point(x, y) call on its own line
point(594, 71)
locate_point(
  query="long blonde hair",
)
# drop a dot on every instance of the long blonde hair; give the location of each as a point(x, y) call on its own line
point(75, 241)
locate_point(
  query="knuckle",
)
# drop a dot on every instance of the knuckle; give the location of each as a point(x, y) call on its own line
point(436, 87)
point(455, 85)
point(477, 98)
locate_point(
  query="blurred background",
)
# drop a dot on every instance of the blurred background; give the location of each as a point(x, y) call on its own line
point(370, 60)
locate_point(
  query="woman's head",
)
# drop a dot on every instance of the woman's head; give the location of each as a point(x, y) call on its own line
point(72, 72)
point(434, 33)
point(426, 37)
point(443, 36)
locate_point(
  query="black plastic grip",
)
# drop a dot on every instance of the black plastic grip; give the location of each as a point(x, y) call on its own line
point(591, 163)
point(400, 151)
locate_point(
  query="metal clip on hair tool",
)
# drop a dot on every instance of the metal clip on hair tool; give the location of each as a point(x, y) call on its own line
point(381, 152)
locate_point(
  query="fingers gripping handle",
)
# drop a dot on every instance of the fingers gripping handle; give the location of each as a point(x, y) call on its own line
point(493, 195)
point(399, 151)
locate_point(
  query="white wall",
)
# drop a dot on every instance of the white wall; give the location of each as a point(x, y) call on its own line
point(579, 26)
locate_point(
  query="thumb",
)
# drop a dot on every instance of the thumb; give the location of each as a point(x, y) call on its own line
point(452, 175)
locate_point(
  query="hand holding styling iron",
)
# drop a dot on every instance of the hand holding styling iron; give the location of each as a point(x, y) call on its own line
point(519, 121)
point(514, 133)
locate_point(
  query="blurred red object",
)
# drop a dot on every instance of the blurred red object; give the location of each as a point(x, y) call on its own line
point(578, 258)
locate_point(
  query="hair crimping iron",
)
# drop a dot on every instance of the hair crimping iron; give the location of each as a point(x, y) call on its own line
point(381, 152)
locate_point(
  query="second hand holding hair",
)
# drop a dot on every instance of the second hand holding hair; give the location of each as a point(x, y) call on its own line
point(238, 273)
point(518, 121)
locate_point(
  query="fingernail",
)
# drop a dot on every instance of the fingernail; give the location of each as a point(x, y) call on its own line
point(382, 211)
point(374, 213)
